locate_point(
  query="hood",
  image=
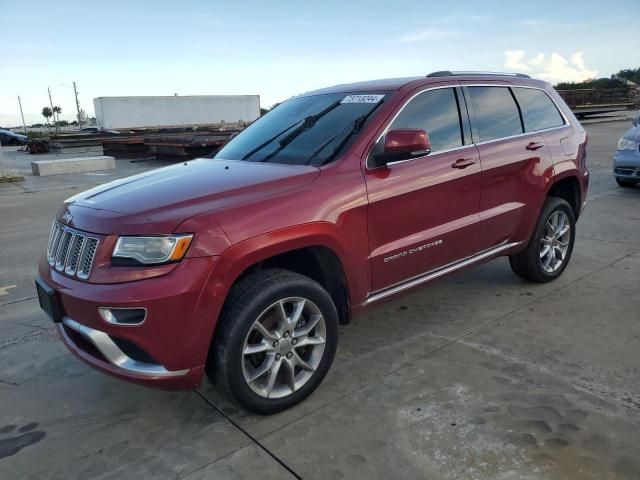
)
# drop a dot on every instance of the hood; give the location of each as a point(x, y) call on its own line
point(158, 200)
point(633, 134)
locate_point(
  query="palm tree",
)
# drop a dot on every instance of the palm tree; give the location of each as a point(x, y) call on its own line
point(57, 111)
point(46, 113)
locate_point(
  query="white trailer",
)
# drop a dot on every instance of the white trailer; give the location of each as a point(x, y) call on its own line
point(175, 111)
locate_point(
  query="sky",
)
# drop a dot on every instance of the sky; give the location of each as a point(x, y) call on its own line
point(278, 49)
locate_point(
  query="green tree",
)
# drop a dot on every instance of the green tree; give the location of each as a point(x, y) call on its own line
point(632, 74)
point(57, 111)
point(47, 113)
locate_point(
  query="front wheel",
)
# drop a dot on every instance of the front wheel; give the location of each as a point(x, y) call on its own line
point(277, 341)
point(626, 183)
point(551, 244)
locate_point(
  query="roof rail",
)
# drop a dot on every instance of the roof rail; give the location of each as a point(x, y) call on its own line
point(447, 73)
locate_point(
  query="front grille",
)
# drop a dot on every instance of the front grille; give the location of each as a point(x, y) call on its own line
point(71, 251)
point(627, 171)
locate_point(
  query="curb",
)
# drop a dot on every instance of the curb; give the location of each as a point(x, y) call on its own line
point(605, 120)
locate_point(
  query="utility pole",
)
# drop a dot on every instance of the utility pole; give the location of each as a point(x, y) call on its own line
point(51, 102)
point(75, 90)
point(22, 115)
point(1, 161)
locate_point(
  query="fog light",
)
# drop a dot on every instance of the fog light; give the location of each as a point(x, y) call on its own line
point(123, 316)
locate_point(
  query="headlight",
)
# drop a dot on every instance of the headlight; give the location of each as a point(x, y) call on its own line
point(626, 144)
point(153, 250)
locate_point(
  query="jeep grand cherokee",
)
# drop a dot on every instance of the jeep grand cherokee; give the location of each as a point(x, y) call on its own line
point(244, 265)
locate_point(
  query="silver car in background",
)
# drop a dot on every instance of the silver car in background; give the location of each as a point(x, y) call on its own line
point(626, 161)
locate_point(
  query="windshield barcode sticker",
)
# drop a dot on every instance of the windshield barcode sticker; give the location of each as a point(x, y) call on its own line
point(362, 99)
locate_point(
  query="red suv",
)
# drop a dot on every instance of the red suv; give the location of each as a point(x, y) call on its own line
point(245, 264)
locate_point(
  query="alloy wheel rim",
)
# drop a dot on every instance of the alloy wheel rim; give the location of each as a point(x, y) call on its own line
point(554, 244)
point(284, 347)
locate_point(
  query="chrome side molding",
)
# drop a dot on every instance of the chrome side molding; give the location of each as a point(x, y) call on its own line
point(433, 274)
point(117, 357)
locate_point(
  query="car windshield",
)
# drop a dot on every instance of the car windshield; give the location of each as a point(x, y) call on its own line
point(304, 130)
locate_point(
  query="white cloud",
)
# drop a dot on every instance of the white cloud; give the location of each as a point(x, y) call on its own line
point(554, 68)
point(578, 61)
point(514, 60)
point(426, 34)
point(537, 60)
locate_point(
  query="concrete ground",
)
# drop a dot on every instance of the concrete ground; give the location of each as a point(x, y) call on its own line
point(479, 376)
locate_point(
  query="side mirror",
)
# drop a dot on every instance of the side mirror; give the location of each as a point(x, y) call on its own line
point(635, 121)
point(401, 144)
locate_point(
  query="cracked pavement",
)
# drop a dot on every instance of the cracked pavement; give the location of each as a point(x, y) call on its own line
point(477, 376)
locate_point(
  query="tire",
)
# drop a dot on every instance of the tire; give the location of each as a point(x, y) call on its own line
point(287, 341)
point(530, 264)
point(626, 183)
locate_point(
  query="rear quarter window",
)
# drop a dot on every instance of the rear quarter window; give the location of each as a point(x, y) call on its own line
point(496, 113)
point(538, 110)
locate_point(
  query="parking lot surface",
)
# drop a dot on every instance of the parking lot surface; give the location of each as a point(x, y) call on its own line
point(478, 376)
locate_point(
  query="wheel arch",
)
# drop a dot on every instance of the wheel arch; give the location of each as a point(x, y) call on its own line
point(312, 249)
point(318, 262)
point(567, 186)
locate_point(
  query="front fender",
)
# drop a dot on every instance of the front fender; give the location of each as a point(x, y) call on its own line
point(209, 240)
point(324, 234)
point(236, 259)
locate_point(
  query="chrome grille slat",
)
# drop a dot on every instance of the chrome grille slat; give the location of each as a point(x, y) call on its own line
point(58, 253)
point(72, 246)
point(63, 245)
point(54, 244)
point(86, 261)
point(51, 233)
point(67, 249)
point(74, 255)
point(71, 251)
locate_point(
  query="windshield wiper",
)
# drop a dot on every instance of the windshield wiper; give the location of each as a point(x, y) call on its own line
point(308, 123)
point(268, 141)
point(332, 138)
point(357, 124)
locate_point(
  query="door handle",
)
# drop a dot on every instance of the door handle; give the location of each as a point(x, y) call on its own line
point(463, 162)
point(534, 146)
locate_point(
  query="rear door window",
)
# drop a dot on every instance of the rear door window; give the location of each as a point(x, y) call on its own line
point(538, 111)
point(496, 113)
point(436, 112)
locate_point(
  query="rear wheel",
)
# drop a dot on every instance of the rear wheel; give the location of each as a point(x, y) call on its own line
point(551, 244)
point(626, 183)
point(277, 341)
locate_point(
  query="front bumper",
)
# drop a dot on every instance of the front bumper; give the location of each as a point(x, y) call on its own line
point(626, 165)
point(105, 356)
point(168, 349)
